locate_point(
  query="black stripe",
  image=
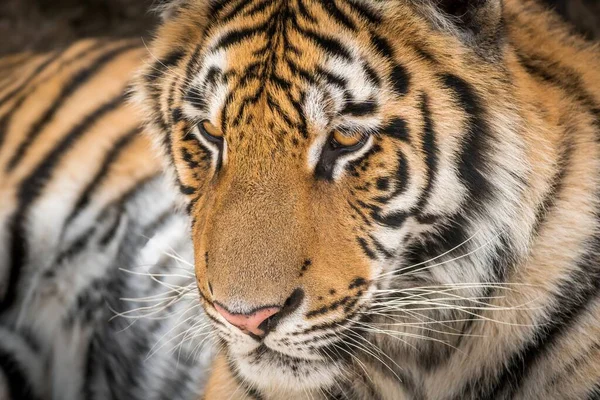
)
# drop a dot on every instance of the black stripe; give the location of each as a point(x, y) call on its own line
point(277, 108)
point(160, 66)
point(32, 187)
point(90, 369)
point(360, 213)
point(212, 75)
point(501, 262)
point(113, 228)
point(195, 97)
point(361, 163)
point(432, 244)
point(79, 79)
point(305, 12)
point(364, 10)
point(168, 140)
point(575, 293)
point(556, 186)
point(301, 72)
point(400, 180)
point(102, 172)
point(19, 386)
point(366, 249)
point(383, 184)
point(171, 59)
point(343, 302)
point(332, 78)
point(327, 43)
point(38, 70)
point(393, 220)
point(244, 103)
point(346, 320)
point(280, 82)
point(120, 202)
point(258, 8)
point(186, 190)
point(382, 46)
point(380, 248)
point(594, 393)
point(75, 248)
point(234, 37)
point(334, 12)
point(565, 78)
point(474, 148)
point(176, 115)
point(188, 158)
point(7, 117)
point(371, 73)
point(397, 129)
point(217, 6)
point(504, 257)
point(400, 79)
point(234, 11)
point(360, 109)
point(431, 153)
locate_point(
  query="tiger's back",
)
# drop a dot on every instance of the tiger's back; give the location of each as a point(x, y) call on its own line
point(86, 218)
point(66, 154)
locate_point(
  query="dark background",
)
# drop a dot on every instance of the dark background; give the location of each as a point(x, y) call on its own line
point(46, 24)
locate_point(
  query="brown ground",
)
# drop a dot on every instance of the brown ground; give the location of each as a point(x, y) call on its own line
point(45, 24)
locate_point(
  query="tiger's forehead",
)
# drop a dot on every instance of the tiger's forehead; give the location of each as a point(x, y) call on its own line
point(277, 66)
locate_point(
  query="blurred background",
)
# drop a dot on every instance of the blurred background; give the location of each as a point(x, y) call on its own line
point(45, 24)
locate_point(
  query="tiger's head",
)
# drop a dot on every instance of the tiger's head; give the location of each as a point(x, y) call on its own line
point(334, 156)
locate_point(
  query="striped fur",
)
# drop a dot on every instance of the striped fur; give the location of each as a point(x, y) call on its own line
point(455, 255)
point(86, 220)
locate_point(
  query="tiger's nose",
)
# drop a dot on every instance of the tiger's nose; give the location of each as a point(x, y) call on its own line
point(255, 322)
point(263, 320)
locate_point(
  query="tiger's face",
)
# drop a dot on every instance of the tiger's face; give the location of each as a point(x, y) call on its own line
point(325, 150)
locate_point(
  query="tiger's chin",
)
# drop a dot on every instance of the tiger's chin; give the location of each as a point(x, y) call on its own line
point(271, 371)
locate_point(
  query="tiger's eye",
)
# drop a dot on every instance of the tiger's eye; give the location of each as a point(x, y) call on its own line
point(211, 130)
point(344, 139)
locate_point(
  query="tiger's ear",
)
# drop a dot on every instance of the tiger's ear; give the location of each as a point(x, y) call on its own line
point(478, 22)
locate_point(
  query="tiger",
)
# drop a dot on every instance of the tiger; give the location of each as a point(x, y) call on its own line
point(388, 199)
point(96, 301)
point(379, 200)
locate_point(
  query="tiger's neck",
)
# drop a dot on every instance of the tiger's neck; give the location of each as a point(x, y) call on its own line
point(478, 339)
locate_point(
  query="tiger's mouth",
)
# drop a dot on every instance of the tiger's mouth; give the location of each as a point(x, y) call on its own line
point(269, 369)
point(301, 353)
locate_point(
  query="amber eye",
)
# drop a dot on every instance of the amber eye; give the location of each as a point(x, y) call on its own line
point(347, 140)
point(210, 132)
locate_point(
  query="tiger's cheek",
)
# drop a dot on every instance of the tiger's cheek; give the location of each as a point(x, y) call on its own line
point(337, 261)
point(201, 259)
point(334, 281)
point(199, 210)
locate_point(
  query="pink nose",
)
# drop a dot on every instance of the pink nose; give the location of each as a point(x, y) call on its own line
point(248, 322)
